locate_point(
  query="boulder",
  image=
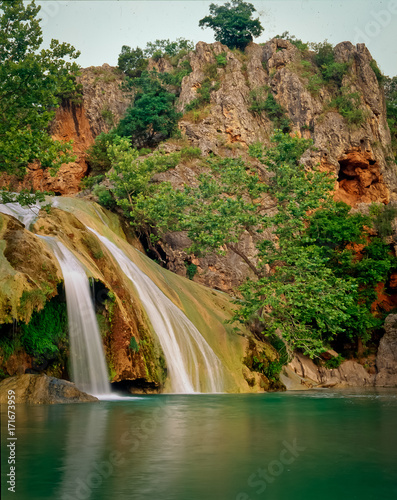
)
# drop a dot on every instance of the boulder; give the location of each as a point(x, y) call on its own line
point(40, 389)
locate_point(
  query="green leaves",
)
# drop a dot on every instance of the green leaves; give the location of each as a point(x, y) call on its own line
point(152, 116)
point(32, 84)
point(232, 23)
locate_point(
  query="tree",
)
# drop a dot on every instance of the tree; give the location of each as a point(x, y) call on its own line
point(152, 115)
point(233, 24)
point(132, 61)
point(308, 286)
point(391, 107)
point(32, 85)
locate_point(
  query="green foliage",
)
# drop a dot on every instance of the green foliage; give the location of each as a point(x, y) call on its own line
point(175, 78)
point(152, 116)
point(383, 216)
point(189, 153)
point(207, 86)
point(33, 82)
point(273, 109)
point(191, 270)
point(334, 362)
point(90, 182)
point(315, 83)
point(221, 59)
point(105, 197)
point(166, 47)
point(232, 23)
point(44, 332)
point(390, 86)
point(378, 73)
point(97, 154)
point(316, 290)
point(331, 70)
point(107, 115)
point(134, 344)
point(132, 61)
point(25, 197)
point(348, 105)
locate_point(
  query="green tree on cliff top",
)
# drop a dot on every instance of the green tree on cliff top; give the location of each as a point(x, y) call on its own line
point(233, 23)
point(32, 85)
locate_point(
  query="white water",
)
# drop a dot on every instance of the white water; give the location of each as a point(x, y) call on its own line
point(87, 359)
point(88, 365)
point(26, 215)
point(186, 352)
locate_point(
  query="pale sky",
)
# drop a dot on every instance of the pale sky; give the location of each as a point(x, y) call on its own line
point(99, 28)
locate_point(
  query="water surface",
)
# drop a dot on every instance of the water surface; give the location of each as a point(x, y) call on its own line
point(282, 446)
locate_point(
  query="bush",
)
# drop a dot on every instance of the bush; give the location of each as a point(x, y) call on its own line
point(90, 182)
point(221, 59)
point(275, 112)
point(348, 104)
point(375, 68)
point(325, 60)
point(334, 362)
point(132, 61)
point(295, 41)
point(97, 154)
point(152, 116)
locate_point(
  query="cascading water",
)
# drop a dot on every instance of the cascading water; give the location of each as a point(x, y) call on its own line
point(87, 359)
point(186, 351)
point(88, 366)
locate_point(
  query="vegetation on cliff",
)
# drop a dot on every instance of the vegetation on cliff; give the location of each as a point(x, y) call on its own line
point(32, 85)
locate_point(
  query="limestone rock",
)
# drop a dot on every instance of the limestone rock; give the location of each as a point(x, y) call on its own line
point(386, 359)
point(40, 389)
point(349, 373)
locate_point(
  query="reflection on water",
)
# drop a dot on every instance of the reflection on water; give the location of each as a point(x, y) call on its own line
point(211, 447)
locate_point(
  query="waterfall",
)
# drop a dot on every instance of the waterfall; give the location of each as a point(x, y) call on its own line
point(186, 352)
point(88, 365)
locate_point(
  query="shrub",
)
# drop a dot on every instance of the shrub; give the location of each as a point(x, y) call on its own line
point(97, 154)
point(275, 112)
point(90, 182)
point(295, 41)
point(348, 104)
point(334, 362)
point(152, 116)
point(325, 60)
point(375, 68)
point(191, 270)
point(221, 59)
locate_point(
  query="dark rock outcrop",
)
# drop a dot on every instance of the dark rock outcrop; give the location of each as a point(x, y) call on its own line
point(40, 389)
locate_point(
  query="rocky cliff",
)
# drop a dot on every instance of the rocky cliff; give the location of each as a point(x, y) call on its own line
point(101, 107)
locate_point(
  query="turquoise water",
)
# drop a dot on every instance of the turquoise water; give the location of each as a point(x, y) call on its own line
point(281, 446)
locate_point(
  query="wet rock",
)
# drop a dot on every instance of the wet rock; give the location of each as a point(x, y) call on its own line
point(40, 389)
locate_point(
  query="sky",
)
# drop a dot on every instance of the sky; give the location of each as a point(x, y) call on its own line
point(99, 28)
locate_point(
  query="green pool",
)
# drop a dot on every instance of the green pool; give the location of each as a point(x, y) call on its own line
point(281, 446)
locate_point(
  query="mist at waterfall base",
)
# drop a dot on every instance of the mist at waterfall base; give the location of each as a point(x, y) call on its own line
point(325, 444)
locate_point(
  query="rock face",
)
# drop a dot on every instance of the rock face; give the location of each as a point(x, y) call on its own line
point(101, 108)
point(348, 374)
point(40, 389)
point(386, 359)
point(357, 155)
